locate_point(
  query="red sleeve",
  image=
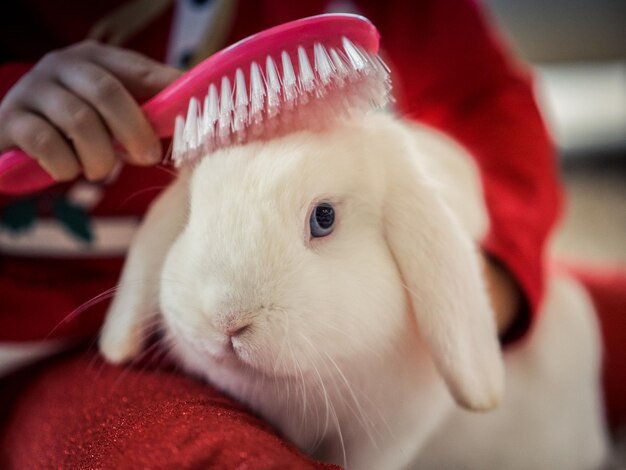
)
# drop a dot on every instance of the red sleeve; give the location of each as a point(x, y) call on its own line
point(453, 73)
point(9, 74)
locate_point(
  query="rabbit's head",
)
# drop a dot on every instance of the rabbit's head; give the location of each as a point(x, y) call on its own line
point(327, 245)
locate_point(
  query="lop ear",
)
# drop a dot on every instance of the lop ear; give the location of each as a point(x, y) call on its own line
point(137, 299)
point(440, 268)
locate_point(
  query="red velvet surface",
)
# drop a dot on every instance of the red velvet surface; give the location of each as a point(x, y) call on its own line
point(607, 287)
point(77, 412)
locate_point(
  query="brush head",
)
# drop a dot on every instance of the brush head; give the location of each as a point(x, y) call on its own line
point(306, 83)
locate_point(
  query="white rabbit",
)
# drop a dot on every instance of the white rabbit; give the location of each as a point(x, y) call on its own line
point(347, 334)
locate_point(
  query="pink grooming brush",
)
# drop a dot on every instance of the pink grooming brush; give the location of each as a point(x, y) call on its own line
point(293, 76)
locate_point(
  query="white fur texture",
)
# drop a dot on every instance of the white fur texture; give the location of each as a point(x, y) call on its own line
point(551, 416)
point(347, 343)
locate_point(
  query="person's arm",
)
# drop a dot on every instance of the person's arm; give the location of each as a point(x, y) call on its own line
point(453, 73)
point(505, 294)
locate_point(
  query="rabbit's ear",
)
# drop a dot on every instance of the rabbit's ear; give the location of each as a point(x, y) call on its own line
point(137, 299)
point(440, 268)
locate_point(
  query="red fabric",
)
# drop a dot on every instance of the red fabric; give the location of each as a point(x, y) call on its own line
point(450, 73)
point(44, 282)
point(31, 28)
point(88, 414)
point(78, 412)
point(11, 73)
point(607, 287)
point(457, 77)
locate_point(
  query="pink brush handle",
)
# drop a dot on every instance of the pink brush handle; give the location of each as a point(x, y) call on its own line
point(21, 174)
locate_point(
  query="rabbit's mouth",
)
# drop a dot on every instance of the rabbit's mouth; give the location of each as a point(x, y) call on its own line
point(200, 354)
point(241, 348)
point(223, 350)
point(219, 349)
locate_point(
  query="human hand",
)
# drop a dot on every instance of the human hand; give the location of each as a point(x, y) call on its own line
point(504, 293)
point(67, 110)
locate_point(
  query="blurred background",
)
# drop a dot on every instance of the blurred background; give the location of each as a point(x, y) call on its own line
point(578, 52)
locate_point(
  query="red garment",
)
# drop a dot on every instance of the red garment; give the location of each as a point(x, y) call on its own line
point(607, 287)
point(449, 73)
point(87, 414)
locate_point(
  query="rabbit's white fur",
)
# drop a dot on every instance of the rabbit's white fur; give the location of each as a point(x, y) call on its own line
point(347, 343)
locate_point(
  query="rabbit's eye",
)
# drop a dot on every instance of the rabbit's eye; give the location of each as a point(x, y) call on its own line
point(322, 220)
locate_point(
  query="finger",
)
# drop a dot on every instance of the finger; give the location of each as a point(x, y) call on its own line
point(119, 111)
point(38, 138)
point(80, 123)
point(143, 77)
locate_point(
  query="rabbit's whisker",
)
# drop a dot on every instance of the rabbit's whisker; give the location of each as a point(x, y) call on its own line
point(140, 192)
point(329, 405)
point(359, 413)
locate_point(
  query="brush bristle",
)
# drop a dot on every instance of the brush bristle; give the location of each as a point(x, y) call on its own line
point(326, 84)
